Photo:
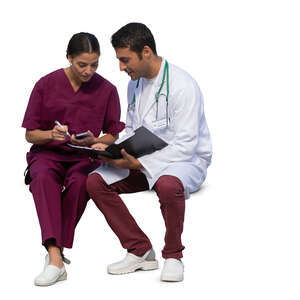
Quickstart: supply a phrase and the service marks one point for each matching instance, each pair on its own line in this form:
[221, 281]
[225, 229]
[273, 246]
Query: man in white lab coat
[167, 101]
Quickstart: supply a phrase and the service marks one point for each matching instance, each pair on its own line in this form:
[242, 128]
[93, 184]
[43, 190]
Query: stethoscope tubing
[157, 94]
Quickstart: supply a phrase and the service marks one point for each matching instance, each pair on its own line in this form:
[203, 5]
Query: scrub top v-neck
[70, 84]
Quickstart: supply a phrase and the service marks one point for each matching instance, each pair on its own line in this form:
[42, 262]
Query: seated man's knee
[169, 186]
[94, 184]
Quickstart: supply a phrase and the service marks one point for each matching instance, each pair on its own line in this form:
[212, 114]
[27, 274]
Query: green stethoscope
[157, 94]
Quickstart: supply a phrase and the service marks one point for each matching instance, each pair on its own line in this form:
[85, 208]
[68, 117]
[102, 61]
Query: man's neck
[154, 67]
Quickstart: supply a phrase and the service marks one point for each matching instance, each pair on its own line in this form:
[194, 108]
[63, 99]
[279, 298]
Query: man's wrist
[139, 165]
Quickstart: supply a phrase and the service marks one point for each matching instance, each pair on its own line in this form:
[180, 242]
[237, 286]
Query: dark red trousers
[60, 196]
[170, 192]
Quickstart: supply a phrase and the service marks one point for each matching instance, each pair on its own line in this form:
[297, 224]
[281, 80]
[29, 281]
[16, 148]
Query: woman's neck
[74, 80]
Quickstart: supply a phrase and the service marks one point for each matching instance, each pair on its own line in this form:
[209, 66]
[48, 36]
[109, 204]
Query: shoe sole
[144, 266]
[171, 279]
[60, 278]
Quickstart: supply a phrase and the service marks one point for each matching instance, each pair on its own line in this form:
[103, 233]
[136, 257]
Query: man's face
[84, 65]
[131, 63]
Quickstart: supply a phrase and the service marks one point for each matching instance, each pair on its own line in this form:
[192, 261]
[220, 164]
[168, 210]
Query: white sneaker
[172, 270]
[131, 263]
[50, 275]
[47, 261]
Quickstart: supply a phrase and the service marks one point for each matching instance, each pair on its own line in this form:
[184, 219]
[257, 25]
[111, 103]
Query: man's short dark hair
[135, 36]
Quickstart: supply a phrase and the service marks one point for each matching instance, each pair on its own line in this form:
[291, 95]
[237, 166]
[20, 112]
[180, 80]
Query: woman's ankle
[55, 256]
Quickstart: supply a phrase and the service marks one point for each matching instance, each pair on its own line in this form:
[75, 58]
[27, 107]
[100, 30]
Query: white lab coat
[188, 153]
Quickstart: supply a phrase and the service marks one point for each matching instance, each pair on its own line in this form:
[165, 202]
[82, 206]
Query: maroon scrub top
[95, 107]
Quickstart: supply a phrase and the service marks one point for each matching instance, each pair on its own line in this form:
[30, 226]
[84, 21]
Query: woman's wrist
[50, 135]
[95, 140]
[45, 137]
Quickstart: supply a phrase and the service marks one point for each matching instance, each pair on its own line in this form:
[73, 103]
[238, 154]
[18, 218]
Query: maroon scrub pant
[170, 192]
[60, 196]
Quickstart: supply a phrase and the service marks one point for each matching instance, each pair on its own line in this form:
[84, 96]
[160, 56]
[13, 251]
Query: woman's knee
[44, 176]
[76, 180]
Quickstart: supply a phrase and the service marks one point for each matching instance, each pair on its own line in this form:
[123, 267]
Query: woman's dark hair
[83, 42]
[135, 36]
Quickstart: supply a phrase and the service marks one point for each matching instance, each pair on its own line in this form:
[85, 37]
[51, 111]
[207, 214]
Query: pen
[58, 124]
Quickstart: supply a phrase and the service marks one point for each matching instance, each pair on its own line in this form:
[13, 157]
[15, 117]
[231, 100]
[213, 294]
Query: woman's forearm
[107, 139]
[38, 136]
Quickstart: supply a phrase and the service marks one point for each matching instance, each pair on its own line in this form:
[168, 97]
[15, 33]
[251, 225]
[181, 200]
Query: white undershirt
[148, 89]
[146, 93]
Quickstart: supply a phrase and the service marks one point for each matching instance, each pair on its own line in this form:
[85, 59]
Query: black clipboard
[143, 142]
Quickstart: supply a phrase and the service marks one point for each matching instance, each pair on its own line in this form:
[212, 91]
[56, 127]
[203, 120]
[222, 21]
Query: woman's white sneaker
[50, 275]
[131, 263]
[172, 270]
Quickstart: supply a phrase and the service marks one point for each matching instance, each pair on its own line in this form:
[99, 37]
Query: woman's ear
[70, 59]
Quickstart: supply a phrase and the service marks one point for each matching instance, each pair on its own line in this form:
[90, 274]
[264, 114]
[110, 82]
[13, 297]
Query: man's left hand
[127, 162]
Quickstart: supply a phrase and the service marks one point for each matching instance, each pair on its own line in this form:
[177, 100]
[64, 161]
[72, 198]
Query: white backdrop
[242, 228]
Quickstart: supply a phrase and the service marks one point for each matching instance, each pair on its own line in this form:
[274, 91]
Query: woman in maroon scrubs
[81, 100]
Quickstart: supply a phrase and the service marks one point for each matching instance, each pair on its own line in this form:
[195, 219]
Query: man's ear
[147, 52]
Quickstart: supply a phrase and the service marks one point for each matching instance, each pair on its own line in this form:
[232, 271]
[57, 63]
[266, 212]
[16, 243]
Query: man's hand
[87, 141]
[127, 162]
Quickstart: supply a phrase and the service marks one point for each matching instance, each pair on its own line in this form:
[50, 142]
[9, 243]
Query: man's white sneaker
[50, 275]
[131, 263]
[172, 270]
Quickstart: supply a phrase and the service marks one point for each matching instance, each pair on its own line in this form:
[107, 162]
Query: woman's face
[84, 65]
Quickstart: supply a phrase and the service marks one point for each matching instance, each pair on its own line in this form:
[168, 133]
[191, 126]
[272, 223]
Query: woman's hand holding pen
[59, 133]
